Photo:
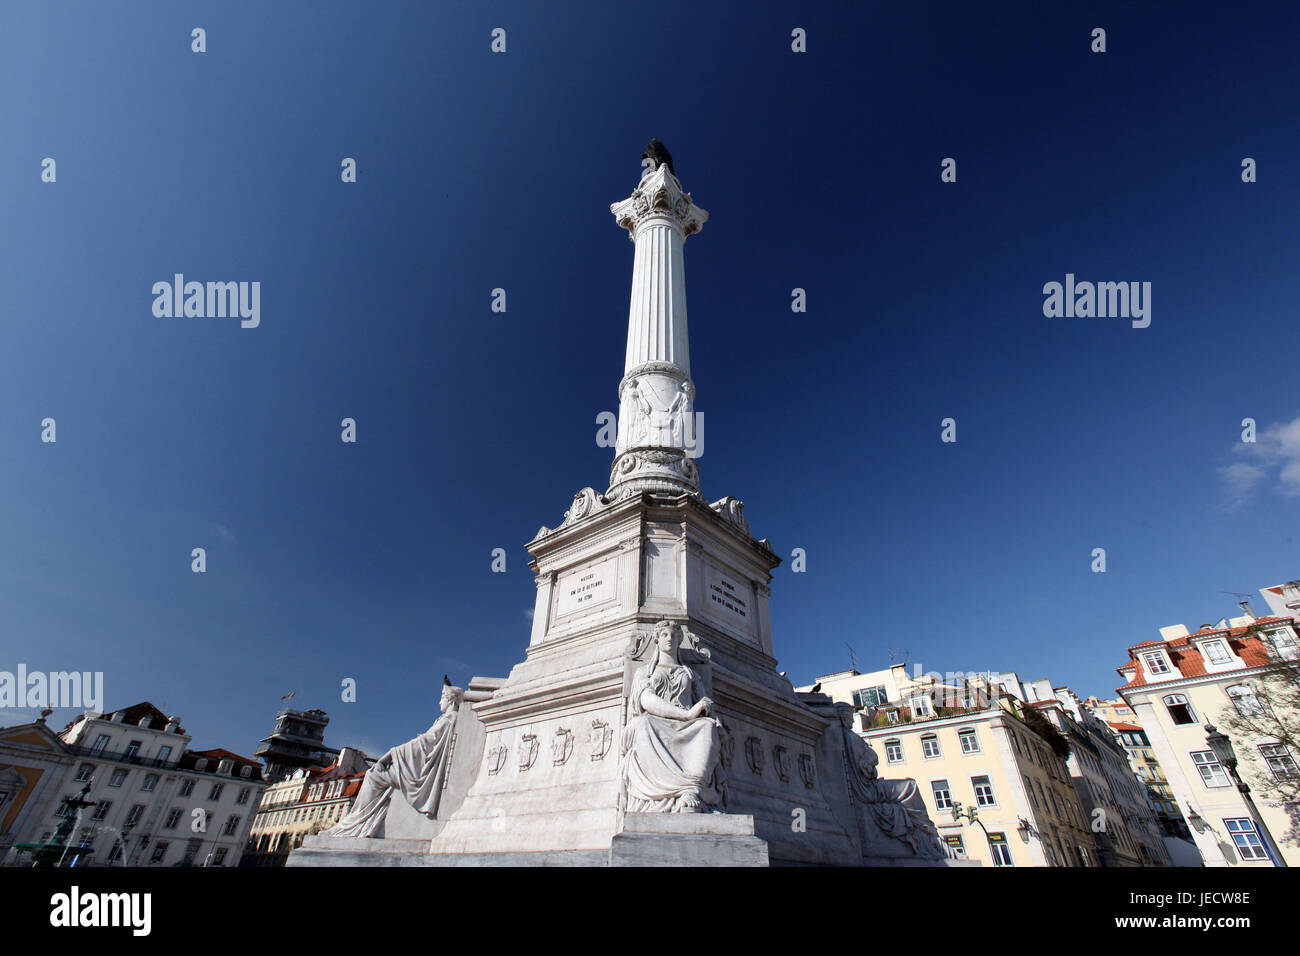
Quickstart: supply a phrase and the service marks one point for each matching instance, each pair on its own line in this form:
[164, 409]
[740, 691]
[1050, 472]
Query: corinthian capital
[659, 196]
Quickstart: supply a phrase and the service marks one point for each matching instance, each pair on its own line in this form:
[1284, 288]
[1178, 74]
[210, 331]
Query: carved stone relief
[562, 746]
[527, 751]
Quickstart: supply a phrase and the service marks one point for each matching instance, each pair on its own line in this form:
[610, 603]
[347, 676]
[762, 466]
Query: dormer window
[1155, 663]
[201, 764]
[921, 706]
[1216, 652]
[1284, 643]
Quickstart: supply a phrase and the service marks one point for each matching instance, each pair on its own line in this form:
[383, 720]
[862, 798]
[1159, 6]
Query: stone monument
[647, 723]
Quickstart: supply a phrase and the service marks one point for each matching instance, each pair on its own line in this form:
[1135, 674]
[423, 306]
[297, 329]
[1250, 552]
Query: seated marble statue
[414, 771]
[671, 747]
[896, 806]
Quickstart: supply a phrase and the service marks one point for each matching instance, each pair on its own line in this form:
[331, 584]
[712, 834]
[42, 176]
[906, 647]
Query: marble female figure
[671, 747]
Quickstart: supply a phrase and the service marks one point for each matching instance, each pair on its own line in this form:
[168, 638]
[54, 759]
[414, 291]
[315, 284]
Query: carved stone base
[687, 839]
[321, 850]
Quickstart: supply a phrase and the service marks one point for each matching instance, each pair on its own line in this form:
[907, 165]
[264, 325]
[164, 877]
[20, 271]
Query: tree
[1267, 707]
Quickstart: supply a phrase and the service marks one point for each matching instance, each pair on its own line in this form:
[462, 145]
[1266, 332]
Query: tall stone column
[657, 439]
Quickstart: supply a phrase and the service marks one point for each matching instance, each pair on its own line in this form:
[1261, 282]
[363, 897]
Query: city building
[1123, 824]
[1283, 600]
[1187, 680]
[297, 743]
[992, 770]
[149, 800]
[307, 801]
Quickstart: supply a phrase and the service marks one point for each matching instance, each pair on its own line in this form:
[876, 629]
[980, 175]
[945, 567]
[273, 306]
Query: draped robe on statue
[415, 770]
[671, 765]
[896, 805]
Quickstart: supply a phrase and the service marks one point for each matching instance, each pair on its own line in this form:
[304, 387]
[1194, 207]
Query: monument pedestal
[687, 839]
[322, 850]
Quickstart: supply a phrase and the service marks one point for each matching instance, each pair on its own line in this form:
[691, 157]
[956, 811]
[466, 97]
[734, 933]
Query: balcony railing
[123, 756]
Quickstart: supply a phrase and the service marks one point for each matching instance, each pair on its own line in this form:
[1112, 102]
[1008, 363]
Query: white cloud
[1273, 457]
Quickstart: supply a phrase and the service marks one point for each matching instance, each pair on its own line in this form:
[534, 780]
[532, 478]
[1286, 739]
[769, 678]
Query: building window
[930, 746]
[1281, 763]
[215, 792]
[1001, 852]
[118, 776]
[970, 743]
[921, 706]
[246, 771]
[100, 743]
[1155, 662]
[942, 795]
[187, 788]
[173, 818]
[219, 858]
[132, 749]
[894, 751]
[1029, 789]
[1210, 769]
[1180, 711]
[1243, 698]
[115, 854]
[1284, 644]
[956, 846]
[1015, 742]
[893, 716]
[231, 826]
[1249, 846]
[163, 756]
[244, 794]
[101, 809]
[62, 811]
[150, 781]
[983, 791]
[133, 815]
[1216, 652]
[159, 851]
[85, 772]
[870, 697]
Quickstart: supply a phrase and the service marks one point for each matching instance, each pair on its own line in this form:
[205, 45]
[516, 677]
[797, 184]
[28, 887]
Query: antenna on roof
[894, 652]
[853, 658]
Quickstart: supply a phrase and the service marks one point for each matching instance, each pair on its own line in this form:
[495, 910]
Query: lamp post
[1227, 755]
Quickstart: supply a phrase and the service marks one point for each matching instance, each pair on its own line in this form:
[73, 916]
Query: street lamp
[1026, 830]
[1227, 756]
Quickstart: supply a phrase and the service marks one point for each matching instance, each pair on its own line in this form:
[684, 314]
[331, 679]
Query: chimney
[1246, 609]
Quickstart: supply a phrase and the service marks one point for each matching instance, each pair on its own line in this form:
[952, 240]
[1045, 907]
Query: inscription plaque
[586, 587]
[727, 598]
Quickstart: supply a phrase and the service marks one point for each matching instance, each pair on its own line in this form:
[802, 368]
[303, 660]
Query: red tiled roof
[1187, 659]
[1124, 726]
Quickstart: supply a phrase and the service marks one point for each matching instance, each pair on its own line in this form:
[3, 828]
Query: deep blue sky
[476, 170]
